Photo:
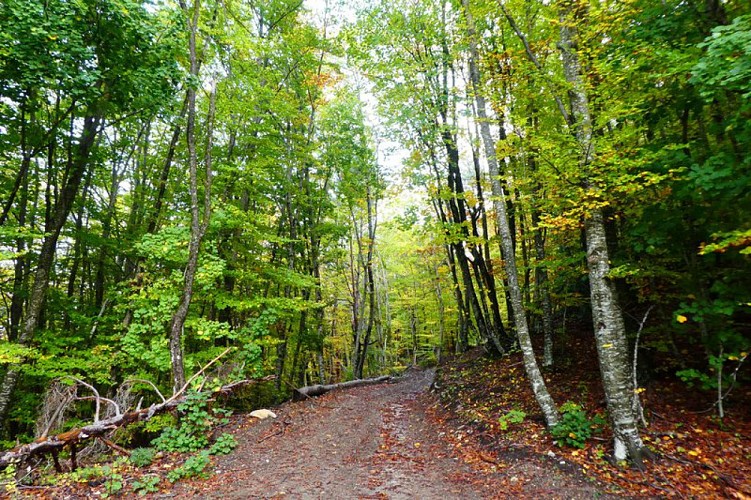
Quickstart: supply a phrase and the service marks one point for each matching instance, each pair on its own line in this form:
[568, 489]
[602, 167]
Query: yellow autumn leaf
[681, 318]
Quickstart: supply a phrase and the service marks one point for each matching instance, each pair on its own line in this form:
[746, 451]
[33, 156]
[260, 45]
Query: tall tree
[83, 77]
[198, 224]
[547, 405]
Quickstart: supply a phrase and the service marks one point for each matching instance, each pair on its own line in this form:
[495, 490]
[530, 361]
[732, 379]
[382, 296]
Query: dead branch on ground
[100, 428]
[317, 390]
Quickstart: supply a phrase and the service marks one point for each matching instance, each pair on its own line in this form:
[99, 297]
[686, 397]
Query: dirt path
[371, 442]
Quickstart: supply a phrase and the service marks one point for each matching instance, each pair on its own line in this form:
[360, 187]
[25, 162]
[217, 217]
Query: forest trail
[375, 442]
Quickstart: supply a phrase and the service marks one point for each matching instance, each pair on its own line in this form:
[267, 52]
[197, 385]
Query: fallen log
[316, 390]
[72, 438]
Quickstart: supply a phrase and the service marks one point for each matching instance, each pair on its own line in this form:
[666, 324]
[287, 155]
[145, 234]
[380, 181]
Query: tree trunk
[544, 400]
[197, 226]
[458, 211]
[76, 172]
[167, 166]
[19, 269]
[541, 282]
[462, 341]
[483, 265]
[317, 390]
[610, 334]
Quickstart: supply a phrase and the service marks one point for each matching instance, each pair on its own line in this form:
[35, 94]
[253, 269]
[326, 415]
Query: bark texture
[317, 390]
[547, 405]
[610, 331]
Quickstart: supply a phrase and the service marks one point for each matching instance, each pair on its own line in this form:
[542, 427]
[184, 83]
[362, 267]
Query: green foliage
[511, 417]
[574, 427]
[726, 64]
[194, 466]
[715, 364]
[146, 484]
[141, 457]
[159, 422]
[196, 421]
[223, 445]
[295, 167]
[114, 483]
[8, 480]
[730, 240]
[110, 473]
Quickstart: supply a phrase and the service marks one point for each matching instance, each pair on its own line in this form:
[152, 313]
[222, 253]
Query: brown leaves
[697, 455]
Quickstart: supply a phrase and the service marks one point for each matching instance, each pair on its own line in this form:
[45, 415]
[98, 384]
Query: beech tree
[610, 331]
[507, 241]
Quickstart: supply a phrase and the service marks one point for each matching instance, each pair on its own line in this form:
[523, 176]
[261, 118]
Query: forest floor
[386, 441]
[382, 442]
[696, 455]
[401, 440]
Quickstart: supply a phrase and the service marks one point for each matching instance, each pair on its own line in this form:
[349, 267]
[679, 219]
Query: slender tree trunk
[197, 226]
[78, 249]
[19, 269]
[483, 266]
[541, 282]
[106, 233]
[458, 211]
[76, 172]
[357, 297]
[544, 400]
[463, 316]
[369, 285]
[462, 341]
[441, 313]
[610, 332]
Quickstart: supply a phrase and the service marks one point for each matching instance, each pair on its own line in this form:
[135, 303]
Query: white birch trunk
[544, 400]
[609, 328]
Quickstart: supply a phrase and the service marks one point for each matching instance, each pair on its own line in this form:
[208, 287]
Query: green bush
[574, 428]
[141, 457]
[195, 423]
[512, 417]
[147, 484]
[223, 445]
[194, 466]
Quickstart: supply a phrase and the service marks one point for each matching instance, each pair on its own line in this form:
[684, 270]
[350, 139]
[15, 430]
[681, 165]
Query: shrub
[512, 417]
[147, 484]
[141, 457]
[223, 445]
[193, 467]
[195, 423]
[574, 428]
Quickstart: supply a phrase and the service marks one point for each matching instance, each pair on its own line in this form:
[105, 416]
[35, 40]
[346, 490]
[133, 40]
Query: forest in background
[180, 178]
